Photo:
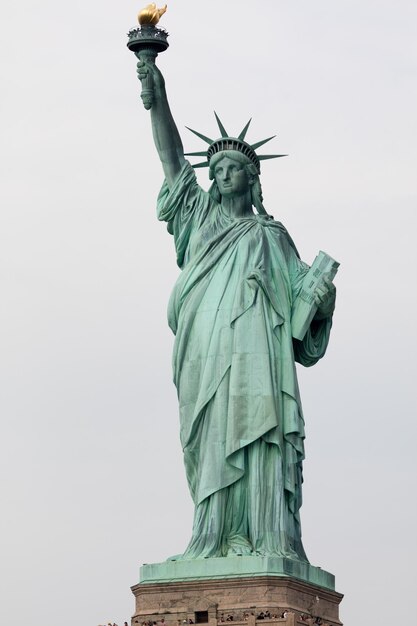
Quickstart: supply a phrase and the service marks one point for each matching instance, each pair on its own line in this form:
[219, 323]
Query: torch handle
[147, 95]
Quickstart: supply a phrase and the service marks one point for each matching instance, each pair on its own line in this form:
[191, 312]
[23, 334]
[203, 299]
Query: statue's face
[231, 177]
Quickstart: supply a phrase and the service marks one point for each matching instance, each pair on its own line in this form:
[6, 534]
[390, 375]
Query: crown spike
[231, 143]
[244, 131]
[262, 157]
[258, 144]
[203, 137]
[220, 125]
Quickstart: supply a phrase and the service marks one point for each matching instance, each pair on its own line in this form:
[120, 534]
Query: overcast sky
[92, 477]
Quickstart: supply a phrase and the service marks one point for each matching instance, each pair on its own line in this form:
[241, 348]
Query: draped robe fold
[241, 422]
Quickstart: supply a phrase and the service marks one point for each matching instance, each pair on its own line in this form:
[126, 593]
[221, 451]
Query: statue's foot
[239, 545]
[286, 554]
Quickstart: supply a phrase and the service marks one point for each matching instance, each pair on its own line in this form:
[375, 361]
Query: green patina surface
[234, 567]
[242, 427]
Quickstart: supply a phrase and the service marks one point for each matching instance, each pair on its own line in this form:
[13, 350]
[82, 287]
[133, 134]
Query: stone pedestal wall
[236, 602]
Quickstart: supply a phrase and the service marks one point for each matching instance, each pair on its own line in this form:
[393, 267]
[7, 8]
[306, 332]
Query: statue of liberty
[242, 426]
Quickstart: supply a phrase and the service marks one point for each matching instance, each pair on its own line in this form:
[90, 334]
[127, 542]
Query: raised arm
[165, 133]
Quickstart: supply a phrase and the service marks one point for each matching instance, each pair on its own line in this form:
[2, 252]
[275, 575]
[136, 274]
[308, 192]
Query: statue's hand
[325, 297]
[147, 69]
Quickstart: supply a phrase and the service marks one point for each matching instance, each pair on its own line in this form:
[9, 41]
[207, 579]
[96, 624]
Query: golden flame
[150, 14]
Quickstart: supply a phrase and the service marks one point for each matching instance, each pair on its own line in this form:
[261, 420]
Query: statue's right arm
[165, 133]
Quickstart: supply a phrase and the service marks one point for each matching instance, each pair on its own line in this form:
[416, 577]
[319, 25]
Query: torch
[146, 42]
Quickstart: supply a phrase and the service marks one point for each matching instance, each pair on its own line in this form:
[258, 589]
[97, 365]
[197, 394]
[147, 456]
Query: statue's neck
[240, 206]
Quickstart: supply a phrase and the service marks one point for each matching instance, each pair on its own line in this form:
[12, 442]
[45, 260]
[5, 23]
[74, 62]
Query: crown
[226, 142]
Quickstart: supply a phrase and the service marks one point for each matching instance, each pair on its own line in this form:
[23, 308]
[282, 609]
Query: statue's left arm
[314, 344]
[325, 298]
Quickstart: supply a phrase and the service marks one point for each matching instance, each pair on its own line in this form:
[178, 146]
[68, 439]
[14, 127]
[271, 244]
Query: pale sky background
[92, 477]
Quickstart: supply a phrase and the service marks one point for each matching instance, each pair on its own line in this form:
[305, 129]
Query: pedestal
[256, 591]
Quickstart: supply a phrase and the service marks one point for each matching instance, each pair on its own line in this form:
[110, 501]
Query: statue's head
[234, 174]
[243, 164]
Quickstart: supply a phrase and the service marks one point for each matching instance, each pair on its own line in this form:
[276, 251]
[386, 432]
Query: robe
[241, 421]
